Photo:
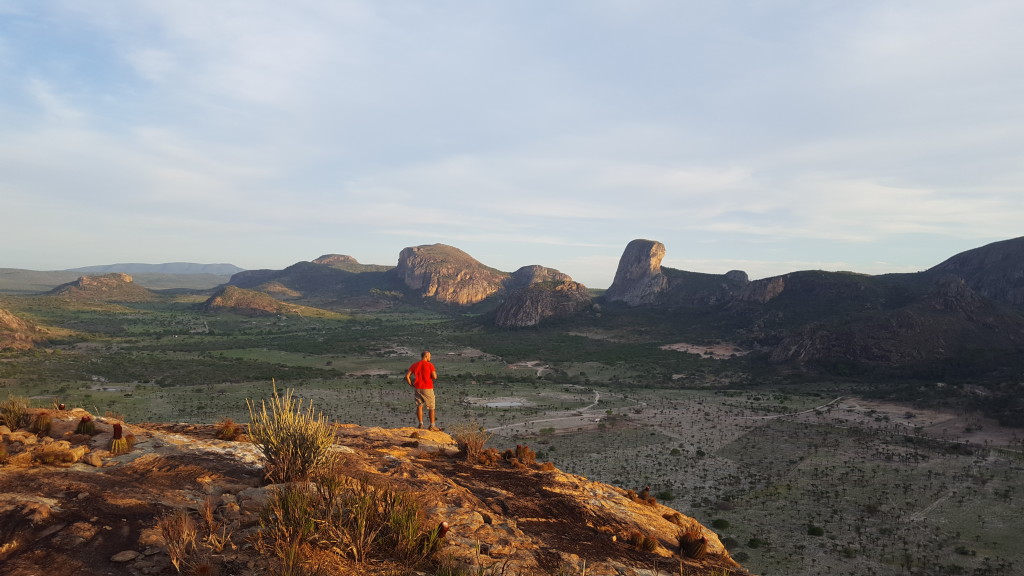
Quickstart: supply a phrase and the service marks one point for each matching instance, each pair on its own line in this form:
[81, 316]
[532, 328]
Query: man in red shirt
[421, 376]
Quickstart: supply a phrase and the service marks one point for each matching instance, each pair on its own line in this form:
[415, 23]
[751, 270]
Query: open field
[800, 481]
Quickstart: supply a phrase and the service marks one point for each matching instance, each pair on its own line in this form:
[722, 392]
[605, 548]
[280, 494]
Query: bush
[813, 530]
[14, 412]
[471, 438]
[347, 517]
[228, 429]
[295, 442]
[720, 524]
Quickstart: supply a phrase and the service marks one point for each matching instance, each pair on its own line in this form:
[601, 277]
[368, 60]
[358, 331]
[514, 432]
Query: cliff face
[638, 279]
[71, 507]
[536, 293]
[447, 274]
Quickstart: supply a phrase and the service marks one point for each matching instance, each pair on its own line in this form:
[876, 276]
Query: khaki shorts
[425, 397]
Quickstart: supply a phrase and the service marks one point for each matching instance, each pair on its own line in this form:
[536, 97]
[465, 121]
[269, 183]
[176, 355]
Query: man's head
[425, 355]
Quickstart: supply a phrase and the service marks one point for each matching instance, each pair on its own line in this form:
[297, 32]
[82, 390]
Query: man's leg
[431, 410]
[419, 414]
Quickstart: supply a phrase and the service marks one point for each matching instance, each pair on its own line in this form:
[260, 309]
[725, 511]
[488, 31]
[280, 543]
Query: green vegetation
[295, 442]
[767, 455]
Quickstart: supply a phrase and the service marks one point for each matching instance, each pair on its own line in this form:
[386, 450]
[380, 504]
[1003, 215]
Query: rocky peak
[995, 270]
[447, 274]
[638, 279]
[533, 274]
[335, 259]
[536, 293]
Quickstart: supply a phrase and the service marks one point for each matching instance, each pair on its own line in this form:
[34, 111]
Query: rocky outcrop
[116, 287]
[254, 303]
[335, 259]
[995, 270]
[763, 290]
[72, 507]
[448, 275]
[17, 334]
[534, 274]
[638, 279]
[537, 293]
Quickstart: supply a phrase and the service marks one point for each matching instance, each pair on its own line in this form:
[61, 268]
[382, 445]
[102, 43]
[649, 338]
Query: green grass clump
[296, 442]
[346, 518]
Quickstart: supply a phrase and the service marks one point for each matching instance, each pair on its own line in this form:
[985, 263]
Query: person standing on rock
[421, 376]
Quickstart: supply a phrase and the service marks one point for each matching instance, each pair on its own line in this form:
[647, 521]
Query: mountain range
[960, 320]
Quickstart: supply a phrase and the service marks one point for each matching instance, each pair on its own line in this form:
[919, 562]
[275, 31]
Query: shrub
[228, 429]
[353, 518]
[295, 442]
[51, 455]
[720, 524]
[14, 412]
[813, 530]
[470, 438]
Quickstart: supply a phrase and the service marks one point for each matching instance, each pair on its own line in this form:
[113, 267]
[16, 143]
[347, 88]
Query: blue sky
[765, 136]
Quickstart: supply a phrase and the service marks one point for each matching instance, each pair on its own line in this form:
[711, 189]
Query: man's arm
[408, 381]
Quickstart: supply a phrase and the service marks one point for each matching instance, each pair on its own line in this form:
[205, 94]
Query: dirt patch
[716, 351]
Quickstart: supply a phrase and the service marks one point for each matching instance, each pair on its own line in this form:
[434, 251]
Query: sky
[767, 136]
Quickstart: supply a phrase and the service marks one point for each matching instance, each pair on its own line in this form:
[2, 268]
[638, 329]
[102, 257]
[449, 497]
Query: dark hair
[424, 354]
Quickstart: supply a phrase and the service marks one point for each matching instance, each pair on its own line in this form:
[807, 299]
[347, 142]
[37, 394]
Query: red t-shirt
[423, 372]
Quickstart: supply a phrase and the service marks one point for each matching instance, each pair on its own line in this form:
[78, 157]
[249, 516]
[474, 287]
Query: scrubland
[806, 480]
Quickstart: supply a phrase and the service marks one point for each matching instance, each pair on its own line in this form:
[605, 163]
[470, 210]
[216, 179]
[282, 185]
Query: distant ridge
[167, 268]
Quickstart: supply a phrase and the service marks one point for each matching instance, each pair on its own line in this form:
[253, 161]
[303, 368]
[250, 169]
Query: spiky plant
[692, 543]
[86, 426]
[42, 423]
[296, 441]
[228, 429]
[118, 443]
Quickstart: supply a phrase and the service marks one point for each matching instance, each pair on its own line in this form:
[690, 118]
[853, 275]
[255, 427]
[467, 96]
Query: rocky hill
[115, 287]
[448, 275]
[536, 293]
[995, 270]
[77, 503]
[331, 281]
[17, 334]
[253, 303]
